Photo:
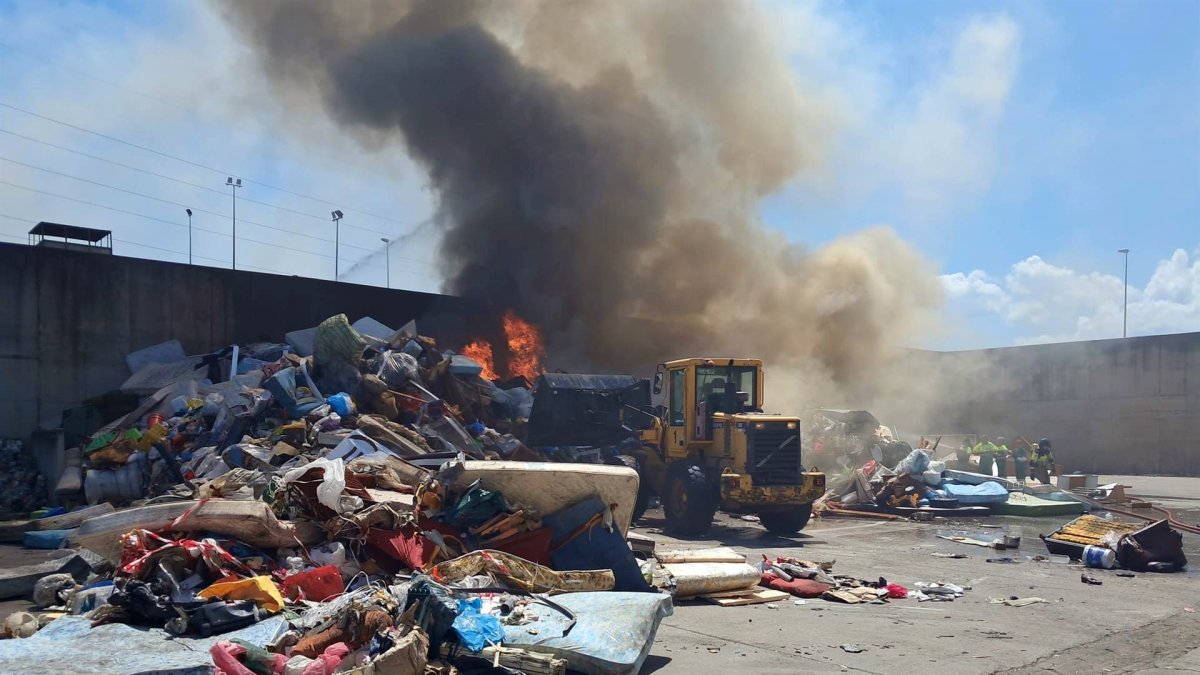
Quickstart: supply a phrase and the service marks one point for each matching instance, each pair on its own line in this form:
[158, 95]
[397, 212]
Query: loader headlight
[760, 425]
[791, 425]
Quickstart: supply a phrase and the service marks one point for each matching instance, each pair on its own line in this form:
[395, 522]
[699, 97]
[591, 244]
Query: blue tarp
[612, 636]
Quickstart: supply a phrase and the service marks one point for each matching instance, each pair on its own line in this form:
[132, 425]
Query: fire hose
[1170, 517]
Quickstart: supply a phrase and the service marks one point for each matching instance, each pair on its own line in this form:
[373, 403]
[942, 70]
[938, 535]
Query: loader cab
[693, 389]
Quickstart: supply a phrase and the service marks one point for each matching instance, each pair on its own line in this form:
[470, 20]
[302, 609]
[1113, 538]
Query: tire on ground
[689, 499]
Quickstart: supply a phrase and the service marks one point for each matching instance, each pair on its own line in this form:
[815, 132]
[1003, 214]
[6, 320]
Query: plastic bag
[342, 404]
[1111, 539]
[335, 554]
[395, 368]
[915, 464]
[476, 631]
[332, 485]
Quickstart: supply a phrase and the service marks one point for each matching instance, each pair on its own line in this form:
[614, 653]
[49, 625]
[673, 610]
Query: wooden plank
[747, 597]
[736, 593]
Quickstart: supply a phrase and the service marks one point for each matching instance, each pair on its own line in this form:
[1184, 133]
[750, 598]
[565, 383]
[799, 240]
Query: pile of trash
[724, 577]
[918, 486]
[299, 509]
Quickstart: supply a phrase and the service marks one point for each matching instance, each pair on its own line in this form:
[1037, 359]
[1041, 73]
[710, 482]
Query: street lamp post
[387, 256]
[1125, 319]
[234, 184]
[189, 212]
[337, 236]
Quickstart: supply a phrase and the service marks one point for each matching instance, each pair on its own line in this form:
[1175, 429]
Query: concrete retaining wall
[1127, 406]
[68, 319]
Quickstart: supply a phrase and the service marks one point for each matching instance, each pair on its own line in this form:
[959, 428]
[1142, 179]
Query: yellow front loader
[712, 446]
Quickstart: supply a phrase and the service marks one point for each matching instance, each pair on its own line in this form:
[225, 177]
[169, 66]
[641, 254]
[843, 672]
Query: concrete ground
[1137, 625]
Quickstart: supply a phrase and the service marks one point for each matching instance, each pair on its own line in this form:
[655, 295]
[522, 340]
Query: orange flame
[480, 351]
[525, 347]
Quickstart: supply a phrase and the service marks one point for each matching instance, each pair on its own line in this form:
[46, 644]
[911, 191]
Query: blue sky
[1017, 145]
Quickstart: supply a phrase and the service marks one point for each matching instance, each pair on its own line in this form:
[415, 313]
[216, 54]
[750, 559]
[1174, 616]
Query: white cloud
[1042, 302]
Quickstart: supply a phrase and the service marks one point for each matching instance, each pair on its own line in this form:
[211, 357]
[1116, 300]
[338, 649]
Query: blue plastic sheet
[46, 539]
[476, 631]
[985, 493]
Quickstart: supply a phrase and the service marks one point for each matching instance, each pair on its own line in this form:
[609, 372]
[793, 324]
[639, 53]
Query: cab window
[677, 393]
[711, 380]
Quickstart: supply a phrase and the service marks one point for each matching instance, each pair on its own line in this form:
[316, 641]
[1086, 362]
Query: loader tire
[643, 494]
[786, 523]
[689, 499]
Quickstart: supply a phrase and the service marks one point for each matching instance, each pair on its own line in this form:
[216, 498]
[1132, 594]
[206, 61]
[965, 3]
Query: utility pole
[337, 238]
[189, 212]
[387, 253]
[1125, 320]
[233, 186]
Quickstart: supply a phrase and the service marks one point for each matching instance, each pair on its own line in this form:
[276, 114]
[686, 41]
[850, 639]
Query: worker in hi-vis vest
[986, 451]
[1041, 461]
[1001, 457]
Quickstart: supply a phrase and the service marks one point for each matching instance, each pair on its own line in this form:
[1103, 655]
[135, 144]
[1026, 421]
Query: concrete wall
[68, 319]
[1110, 406]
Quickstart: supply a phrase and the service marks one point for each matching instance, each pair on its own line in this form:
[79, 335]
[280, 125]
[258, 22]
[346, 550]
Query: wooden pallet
[745, 596]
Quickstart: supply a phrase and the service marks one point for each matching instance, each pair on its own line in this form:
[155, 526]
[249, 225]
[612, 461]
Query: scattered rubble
[351, 500]
[362, 500]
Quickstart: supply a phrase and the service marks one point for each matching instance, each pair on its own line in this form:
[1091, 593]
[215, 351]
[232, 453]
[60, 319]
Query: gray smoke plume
[598, 167]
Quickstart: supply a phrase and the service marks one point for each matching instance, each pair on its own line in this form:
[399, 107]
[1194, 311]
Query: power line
[198, 186]
[120, 241]
[173, 203]
[171, 250]
[197, 164]
[41, 58]
[162, 220]
[370, 251]
[110, 208]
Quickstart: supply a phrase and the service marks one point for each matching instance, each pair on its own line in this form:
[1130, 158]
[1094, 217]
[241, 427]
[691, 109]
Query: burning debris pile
[525, 350]
[318, 503]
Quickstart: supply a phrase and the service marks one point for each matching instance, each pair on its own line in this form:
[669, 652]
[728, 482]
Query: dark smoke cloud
[598, 166]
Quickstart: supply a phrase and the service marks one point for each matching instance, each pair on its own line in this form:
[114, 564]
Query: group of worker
[1036, 458]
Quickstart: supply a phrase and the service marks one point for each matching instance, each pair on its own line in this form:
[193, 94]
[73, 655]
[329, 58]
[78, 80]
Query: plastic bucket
[1100, 557]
